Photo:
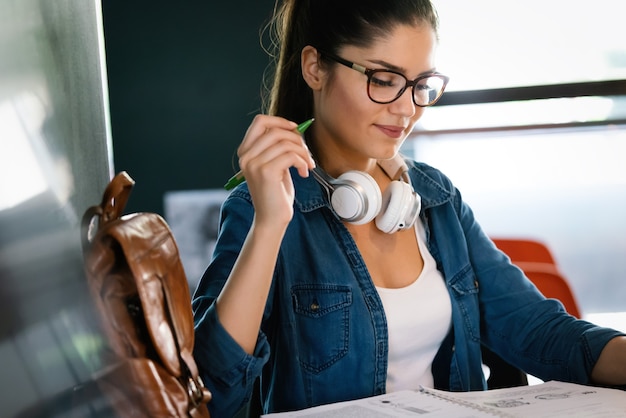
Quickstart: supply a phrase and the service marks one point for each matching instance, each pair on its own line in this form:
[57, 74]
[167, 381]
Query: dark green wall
[184, 83]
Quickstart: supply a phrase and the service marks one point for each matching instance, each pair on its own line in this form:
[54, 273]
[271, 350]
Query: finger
[276, 141]
[262, 124]
[281, 157]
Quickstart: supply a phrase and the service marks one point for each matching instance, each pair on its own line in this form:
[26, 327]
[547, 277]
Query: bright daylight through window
[532, 130]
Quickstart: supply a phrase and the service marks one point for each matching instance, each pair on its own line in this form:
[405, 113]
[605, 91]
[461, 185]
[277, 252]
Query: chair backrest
[552, 284]
[527, 250]
[537, 262]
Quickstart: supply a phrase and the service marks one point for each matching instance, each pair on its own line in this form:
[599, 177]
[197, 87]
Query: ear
[311, 71]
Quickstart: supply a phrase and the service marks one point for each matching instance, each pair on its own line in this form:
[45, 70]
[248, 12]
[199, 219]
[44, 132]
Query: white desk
[616, 320]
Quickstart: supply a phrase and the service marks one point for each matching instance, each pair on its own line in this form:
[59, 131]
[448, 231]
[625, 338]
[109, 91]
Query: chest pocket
[322, 324]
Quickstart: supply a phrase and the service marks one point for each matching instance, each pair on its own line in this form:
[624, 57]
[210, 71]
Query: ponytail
[289, 96]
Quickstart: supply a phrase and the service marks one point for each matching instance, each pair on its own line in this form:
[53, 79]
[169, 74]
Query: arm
[230, 300]
[271, 146]
[534, 333]
[241, 303]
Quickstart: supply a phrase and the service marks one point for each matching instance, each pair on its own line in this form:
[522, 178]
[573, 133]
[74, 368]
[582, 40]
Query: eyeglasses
[386, 86]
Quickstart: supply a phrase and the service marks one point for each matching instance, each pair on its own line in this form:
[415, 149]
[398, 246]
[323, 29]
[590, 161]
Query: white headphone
[356, 198]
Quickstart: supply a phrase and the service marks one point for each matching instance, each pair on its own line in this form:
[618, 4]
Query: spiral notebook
[550, 399]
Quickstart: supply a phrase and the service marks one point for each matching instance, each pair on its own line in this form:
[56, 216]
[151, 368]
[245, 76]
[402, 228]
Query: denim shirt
[324, 334]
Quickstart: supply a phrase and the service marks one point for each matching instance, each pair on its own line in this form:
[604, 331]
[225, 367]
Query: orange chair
[552, 284]
[538, 264]
[526, 250]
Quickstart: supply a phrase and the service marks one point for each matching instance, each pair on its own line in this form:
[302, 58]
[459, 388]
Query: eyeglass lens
[386, 86]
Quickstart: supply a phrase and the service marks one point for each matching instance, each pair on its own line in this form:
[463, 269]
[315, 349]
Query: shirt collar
[428, 182]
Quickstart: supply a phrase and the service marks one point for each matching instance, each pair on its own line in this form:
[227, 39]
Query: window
[532, 129]
[541, 62]
[489, 44]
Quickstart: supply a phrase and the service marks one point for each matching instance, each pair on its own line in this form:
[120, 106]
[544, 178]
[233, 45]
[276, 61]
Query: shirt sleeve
[522, 326]
[226, 369]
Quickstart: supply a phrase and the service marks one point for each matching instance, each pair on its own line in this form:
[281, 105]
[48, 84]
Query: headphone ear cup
[356, 197]
[400, 207]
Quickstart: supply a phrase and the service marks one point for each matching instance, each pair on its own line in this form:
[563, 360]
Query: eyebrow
[399, 69]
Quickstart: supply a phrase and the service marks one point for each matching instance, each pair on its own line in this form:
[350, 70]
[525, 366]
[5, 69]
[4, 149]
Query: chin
[388, 153]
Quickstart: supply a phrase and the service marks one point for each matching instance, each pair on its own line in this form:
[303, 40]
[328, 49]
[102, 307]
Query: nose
[404, 104]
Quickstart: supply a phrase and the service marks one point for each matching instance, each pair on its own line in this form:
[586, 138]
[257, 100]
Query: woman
[332, 296]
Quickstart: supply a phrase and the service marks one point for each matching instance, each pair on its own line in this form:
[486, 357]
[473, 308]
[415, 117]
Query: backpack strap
[112, 207]
[115, 197]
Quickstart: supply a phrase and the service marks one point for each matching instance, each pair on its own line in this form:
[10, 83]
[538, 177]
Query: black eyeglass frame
[369, 72]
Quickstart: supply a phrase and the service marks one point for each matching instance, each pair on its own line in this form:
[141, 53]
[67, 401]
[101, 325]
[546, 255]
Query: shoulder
[431, 172]
[238, 203]
[431, 184]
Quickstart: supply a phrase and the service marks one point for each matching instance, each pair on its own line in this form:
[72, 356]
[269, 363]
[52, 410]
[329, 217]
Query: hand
[270, 147]
[610, 369]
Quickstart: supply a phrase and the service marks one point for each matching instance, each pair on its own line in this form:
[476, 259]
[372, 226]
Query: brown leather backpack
[142, 296]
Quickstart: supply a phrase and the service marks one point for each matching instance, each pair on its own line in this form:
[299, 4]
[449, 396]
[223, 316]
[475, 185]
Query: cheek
[347, 112]
[351, 104]
[348, 97]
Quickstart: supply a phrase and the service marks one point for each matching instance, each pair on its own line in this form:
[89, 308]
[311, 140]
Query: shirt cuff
[221, 357]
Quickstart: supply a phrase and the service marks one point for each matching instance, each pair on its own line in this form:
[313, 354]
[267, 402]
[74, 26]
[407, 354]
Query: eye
[424, 85]
[430, 83]
[386, 79]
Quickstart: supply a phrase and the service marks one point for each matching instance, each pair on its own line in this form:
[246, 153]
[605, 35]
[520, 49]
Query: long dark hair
[327, 25]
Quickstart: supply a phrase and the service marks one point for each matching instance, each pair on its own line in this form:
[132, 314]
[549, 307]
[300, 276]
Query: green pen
[239, 178]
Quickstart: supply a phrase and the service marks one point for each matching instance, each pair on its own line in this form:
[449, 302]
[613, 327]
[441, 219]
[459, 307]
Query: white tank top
[418, 319]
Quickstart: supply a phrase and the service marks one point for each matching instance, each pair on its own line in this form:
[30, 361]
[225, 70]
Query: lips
[391, 130]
